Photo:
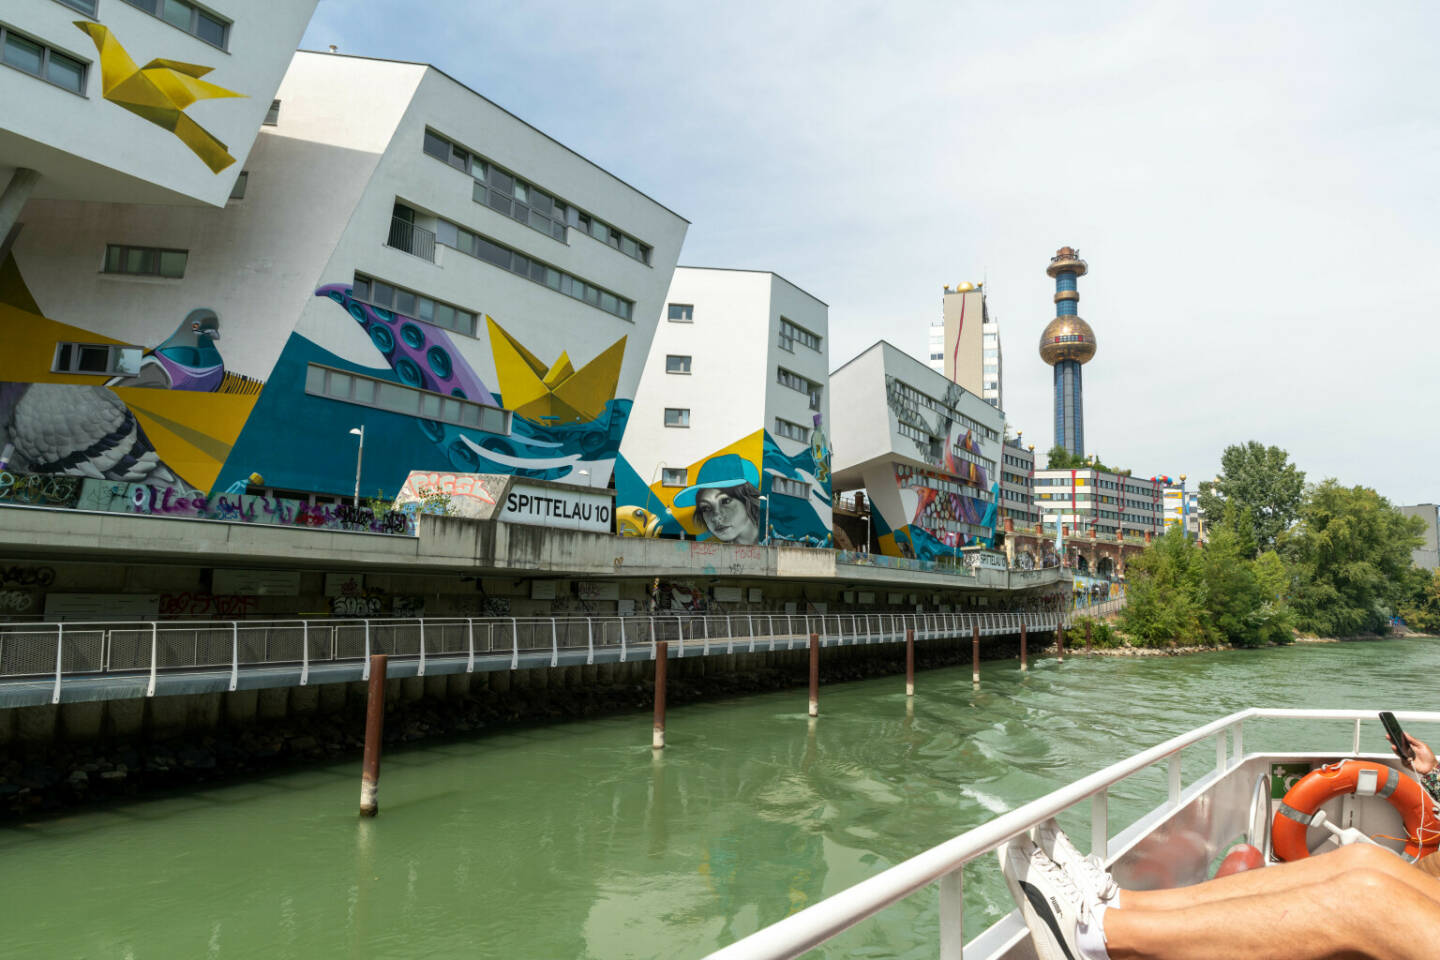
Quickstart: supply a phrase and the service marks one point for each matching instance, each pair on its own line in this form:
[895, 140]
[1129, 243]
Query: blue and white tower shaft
[1066, 344]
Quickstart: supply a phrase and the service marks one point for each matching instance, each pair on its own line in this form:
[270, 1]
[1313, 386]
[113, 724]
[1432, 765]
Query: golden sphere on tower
[1067, 338]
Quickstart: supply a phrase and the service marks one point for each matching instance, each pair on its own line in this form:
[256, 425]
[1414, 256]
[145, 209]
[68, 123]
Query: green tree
[1350, 558]
[1422, 611]
[1259, 480]
[1058, 458]
[1160, 609]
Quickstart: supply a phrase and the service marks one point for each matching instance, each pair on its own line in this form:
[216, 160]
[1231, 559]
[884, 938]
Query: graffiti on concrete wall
[27, 576]
[188, 604]
[16, 601]
[38, 490]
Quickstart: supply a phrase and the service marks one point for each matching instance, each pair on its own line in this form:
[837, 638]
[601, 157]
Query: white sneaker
[1088, 873]
[1048, 899]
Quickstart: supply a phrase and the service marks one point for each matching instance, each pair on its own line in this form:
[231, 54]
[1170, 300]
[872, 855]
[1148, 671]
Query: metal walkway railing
[61, 650]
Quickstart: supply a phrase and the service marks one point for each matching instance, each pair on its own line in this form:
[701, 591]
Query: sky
[1254, 187]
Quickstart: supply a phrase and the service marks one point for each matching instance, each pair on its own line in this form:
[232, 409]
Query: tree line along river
[576, 840]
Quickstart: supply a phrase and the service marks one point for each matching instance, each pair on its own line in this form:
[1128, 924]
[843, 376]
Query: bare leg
[1362, 914]
[1286, 876]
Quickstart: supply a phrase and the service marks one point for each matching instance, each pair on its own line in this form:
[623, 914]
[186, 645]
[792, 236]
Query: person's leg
[1285, 876]
[1363, 913]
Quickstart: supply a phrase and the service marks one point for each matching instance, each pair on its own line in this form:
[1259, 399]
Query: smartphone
[1397, 736]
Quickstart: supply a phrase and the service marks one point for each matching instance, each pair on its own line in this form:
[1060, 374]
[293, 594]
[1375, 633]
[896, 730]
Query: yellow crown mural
[556, 393]
[160, 91]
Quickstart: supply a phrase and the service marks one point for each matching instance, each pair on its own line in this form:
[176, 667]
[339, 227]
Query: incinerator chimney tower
[1066, 343]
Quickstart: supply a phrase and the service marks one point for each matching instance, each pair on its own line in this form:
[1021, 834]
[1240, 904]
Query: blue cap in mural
[730, 470]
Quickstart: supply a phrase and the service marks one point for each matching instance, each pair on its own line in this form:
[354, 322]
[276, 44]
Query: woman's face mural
[728, 514]
[726, 498]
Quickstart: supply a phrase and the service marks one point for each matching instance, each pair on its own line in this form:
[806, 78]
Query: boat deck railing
[942, 864]
[73, 649]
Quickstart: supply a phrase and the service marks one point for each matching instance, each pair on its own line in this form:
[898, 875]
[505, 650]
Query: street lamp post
[359, 459]
[867, 527]
[767, 518]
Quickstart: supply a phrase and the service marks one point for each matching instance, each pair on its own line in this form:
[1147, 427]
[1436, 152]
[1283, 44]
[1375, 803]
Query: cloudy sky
[1254, 186]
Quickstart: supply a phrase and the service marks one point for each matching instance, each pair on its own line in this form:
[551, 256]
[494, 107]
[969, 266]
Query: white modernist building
[1017, 483]
[1107, 503]
[141, 101]
[728, 436]
[925, 451]
[403, 268]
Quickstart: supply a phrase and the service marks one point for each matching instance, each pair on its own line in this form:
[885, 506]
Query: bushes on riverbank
[1325, 560]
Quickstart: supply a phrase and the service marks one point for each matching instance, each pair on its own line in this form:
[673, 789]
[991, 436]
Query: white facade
[935, 353]
[738, 368]
[453, 360]
[925, 451]
[970, 347]
[1017, 483]
[1106, 502]
[87, 145]
[1427, 555]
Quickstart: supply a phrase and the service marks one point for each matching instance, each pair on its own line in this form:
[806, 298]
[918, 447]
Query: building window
[791, 431]
[145, 261]
[35, 58]
[790, 488]
[272, 116]
[806, 386]
[681, 313]
[186, 16]
[675, 363]
[87, 7]
[672, 477]
[507, 193]
[97, 358]
[677, 417]
[497, 254]
[411, 304]
[789, 333]
[237, 192]
[398, 398]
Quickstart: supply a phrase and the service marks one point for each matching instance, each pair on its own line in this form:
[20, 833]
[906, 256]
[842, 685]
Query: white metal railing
[942, 864]
[70, 649]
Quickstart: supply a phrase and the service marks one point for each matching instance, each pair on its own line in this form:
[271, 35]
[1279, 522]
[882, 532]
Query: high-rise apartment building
[935, 354]
[969, 342]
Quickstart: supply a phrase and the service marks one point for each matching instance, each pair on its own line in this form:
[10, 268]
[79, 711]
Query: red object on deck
[1242, 858]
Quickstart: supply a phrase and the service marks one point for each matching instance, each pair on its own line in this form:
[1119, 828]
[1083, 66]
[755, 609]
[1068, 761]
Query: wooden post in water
[910, 663]
[1060, 642]
[374, 729]
[814, 675]
[1088, 648]
[657, 739]
[975, 653]
[1023, 665]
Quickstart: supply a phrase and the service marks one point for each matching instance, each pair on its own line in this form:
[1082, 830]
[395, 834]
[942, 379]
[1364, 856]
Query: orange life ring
[1287, 832]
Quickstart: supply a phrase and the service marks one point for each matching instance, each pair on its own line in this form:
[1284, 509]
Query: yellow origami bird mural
[558, 393]
[160, 91]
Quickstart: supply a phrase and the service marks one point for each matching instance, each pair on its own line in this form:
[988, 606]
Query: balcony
[416, 241]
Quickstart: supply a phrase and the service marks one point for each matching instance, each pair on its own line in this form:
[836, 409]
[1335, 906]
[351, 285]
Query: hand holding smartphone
[1397, 737]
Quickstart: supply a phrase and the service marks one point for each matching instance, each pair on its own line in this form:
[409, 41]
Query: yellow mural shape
[30, 339]
[160, 91]
[557, 393]
[192, 432]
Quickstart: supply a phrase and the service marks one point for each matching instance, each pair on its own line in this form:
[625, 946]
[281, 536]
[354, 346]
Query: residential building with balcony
[728, 438]
[926, 451]
[401, 266]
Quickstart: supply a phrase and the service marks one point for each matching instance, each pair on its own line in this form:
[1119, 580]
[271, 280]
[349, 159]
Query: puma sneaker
[1088, 873]
[1048, 899]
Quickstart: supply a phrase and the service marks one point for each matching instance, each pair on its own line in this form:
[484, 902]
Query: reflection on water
[580, 841]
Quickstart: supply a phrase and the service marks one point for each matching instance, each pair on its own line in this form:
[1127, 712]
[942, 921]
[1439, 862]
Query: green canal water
[574, 841]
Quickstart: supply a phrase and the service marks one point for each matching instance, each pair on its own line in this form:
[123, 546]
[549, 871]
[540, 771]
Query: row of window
[788, 378]
[1018, 461]
[483, 248]
[791, 431]
[37, 59]
[917, 398]
[790, 488]
[412, 304]
[398, 398]
[199, 23]
[790, 333]
[520, 200]
[145, 261]
[87, 7]
[102, 359]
